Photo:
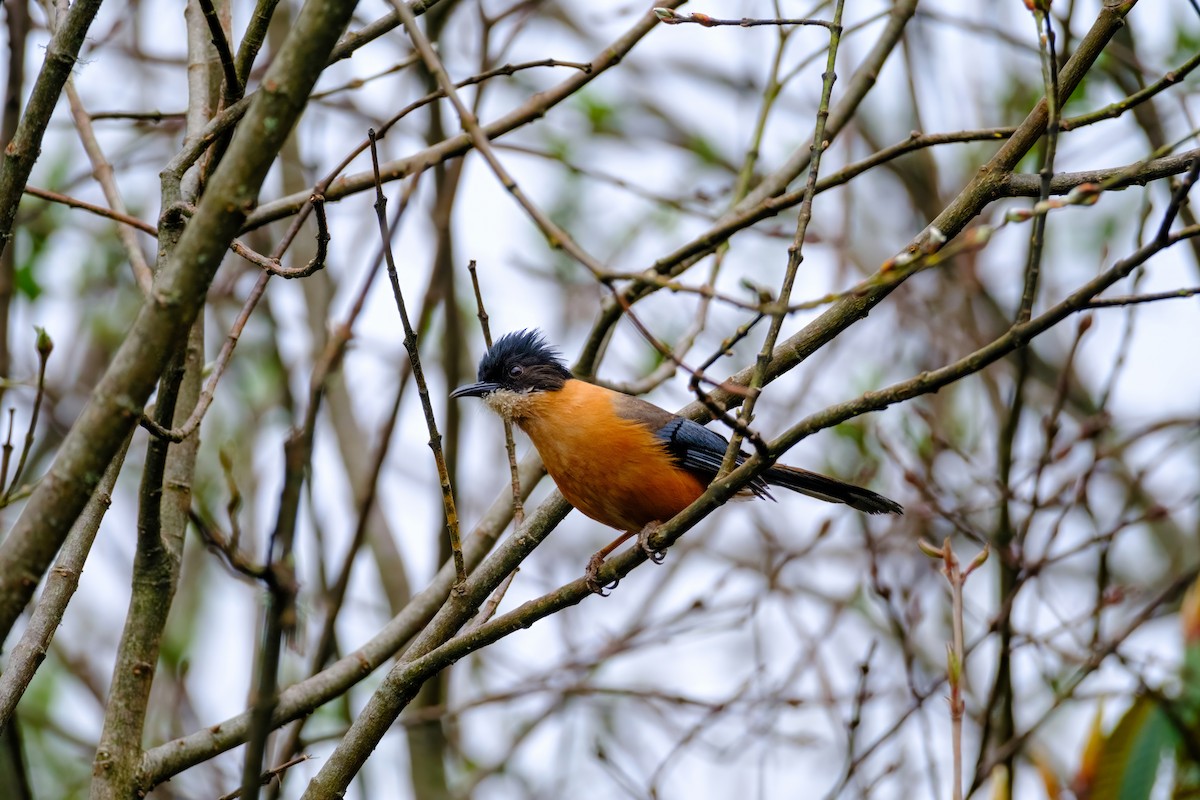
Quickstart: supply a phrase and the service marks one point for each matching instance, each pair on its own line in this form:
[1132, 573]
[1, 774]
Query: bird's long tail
[831, 490]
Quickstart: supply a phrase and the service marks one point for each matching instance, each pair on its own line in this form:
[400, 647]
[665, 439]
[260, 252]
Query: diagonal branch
[301, 699]
[21, 153]
[953, 219]
[161, 325]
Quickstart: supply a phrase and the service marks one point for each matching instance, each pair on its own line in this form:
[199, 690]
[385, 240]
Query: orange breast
[614, 470]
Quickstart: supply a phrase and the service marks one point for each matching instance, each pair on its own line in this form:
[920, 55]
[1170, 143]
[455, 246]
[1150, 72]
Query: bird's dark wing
[693, 446]
[701, 450]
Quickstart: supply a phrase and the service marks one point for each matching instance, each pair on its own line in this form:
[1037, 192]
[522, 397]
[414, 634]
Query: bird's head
[518, 365]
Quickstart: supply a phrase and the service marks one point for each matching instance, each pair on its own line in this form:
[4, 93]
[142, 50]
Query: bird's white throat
[508, 404]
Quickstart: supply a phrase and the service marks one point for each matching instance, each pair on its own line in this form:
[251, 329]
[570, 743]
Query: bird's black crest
[522, 361]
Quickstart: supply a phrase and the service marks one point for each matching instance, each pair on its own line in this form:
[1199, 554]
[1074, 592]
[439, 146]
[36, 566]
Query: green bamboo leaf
[1131, 755]
[1189, 696]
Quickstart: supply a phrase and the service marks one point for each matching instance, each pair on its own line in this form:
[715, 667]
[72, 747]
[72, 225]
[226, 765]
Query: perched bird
[620, 460]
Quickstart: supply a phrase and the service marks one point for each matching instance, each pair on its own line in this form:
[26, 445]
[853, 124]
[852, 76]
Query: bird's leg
[596, 562]
[643, 542]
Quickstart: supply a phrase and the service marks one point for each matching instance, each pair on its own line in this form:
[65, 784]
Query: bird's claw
[592, 576]
[655, 555]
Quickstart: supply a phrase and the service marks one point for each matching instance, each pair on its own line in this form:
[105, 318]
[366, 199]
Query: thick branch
[162, 324]
[27, 655]
[1020, 184]
[301, 699]
[21, 153]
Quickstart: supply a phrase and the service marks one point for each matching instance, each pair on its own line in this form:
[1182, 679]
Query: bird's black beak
[475, 389]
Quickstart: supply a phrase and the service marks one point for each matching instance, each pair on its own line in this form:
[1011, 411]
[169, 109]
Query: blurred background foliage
[783, 648]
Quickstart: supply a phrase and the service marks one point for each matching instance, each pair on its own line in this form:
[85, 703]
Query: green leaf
[603, 116]
[27, 282]
[705, 150]
[1131, 755]
[854, 432]
[1189, 697]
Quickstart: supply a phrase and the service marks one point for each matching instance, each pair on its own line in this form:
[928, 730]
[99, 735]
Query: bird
[619, 459]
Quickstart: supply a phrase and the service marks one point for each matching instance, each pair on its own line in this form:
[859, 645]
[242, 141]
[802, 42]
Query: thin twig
[235, 502]
[1130, 300]
[224, 546]
[1049, 62]
[358, 83]
[1177, 198]
[734, 423]
[139, 116]
[956, 653]
[414, 356]
[44, 347]
[8, 448]
[232, 90]
[1114, 110]
[493, 602]
[235, 332]
[273, 265]
[66, 200]
[670, 17]
[509, 444]
[102, 170]
[270, 775]
[861, 693]
[795, 251]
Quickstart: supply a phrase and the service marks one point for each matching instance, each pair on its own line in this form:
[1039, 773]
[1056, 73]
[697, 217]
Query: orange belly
[614, 470]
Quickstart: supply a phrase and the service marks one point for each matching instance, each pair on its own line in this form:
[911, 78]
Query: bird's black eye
[515, 371]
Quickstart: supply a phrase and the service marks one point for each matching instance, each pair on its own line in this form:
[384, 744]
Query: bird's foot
[592, 576]
[655, 555]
